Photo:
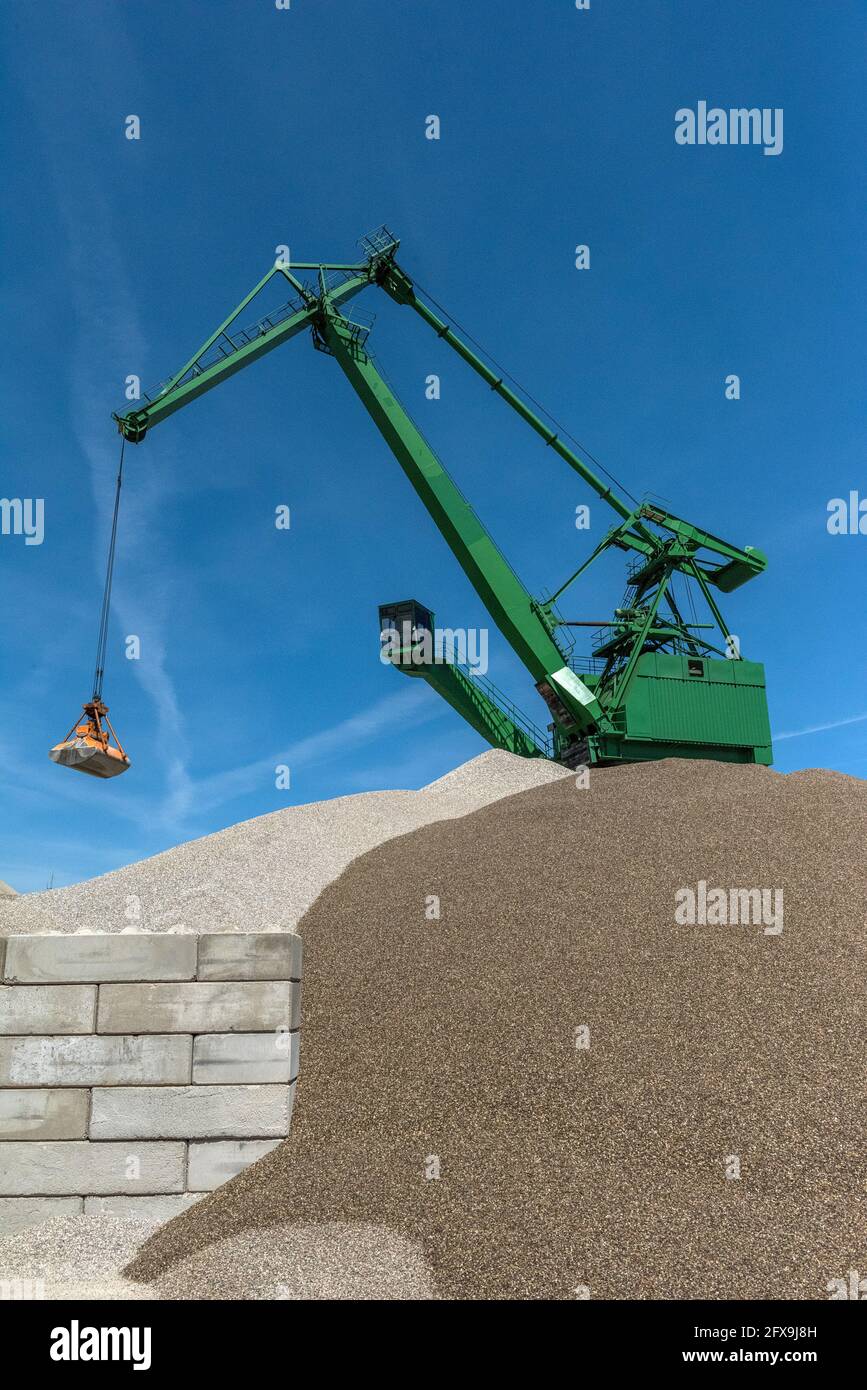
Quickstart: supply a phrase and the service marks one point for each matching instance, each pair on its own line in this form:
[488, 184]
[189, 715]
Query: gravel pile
[264, 874]
[446, 1092]
[81, 1257]
[295, 1262]
[73, 1257]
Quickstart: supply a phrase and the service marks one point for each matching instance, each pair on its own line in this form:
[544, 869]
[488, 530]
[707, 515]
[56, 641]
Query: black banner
[143, 1338]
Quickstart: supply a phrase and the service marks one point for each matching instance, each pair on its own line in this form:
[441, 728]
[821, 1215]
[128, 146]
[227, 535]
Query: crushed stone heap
[707, 1144]
[263, 874]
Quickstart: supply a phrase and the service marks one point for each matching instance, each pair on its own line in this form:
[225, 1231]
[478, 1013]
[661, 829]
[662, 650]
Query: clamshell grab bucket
[84, 755]
[88, 747]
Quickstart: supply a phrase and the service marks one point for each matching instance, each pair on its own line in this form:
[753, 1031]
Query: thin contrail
[821, 728]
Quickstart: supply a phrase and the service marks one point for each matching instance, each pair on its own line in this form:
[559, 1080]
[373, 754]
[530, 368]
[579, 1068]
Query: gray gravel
[295, 1262]
[81, 1258]
[263, 874]
[563, 1169]
[74, 1257]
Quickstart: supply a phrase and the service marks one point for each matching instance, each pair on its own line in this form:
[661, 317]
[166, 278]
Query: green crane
[655, 686]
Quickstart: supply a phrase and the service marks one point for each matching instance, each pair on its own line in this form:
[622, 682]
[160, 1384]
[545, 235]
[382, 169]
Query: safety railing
[379, 242]
[588, 665]
[230, 342]
[506, 706]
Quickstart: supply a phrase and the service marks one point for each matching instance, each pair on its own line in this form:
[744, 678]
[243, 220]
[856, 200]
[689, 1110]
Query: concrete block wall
[139, 1072]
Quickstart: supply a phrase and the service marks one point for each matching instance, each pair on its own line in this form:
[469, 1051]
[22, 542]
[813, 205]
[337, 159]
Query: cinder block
[250, 956]
[60, 959]
[95, 1061]
[47, 1009]
[59, 1169]
[43, 1114]
[142, 1208]
[241, 1058]
[18, 1212]
[210, 1165]
[190, 1112]
[254, 1007]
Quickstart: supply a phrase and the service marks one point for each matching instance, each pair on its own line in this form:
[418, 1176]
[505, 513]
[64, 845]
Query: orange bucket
[88, 747]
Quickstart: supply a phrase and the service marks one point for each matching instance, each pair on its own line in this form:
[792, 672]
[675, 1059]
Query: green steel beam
[743, 564]
[508, 602]
[134, 425]
[702, 579]
[641, 635]
[398, 284]
[471, 701]
[178, 376]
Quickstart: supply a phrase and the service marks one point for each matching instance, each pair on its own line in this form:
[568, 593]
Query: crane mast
[655, 686]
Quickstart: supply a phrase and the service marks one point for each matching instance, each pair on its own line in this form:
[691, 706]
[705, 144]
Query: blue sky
[306, 127]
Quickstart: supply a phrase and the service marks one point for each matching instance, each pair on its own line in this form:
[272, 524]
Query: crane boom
[229, 352]
[513, 609]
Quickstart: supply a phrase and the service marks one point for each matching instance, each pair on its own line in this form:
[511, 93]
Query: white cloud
[404, 708]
